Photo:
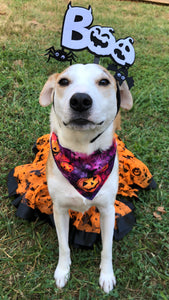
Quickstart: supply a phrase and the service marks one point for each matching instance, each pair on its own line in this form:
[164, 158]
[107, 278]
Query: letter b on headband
[75, 34]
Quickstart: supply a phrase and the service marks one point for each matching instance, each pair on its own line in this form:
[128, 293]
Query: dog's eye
[64, 82]
[104, 82]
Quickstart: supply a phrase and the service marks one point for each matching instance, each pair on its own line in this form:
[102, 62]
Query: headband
[79, 34]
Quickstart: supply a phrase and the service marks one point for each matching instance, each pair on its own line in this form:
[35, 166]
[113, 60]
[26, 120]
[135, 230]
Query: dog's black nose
[80, 102]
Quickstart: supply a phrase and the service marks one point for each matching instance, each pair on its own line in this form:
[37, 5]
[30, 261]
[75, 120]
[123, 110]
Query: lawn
[29, 251]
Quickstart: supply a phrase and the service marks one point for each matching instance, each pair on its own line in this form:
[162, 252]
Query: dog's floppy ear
[47, 91]
[126, 97]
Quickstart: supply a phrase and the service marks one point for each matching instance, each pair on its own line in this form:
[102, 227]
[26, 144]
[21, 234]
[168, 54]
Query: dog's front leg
[107, 219]
[62, 271]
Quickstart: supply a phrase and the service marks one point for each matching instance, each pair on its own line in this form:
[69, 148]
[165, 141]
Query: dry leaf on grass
[33, 22]
[18, 63]
[3, 9]
[5, 13]
[157, 216]
[161, 209]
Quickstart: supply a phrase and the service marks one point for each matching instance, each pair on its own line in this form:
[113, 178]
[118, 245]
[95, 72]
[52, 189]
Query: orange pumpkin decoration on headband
[89, 184]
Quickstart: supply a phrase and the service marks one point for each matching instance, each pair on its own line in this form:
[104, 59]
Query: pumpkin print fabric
[87, 173]
[29, 186]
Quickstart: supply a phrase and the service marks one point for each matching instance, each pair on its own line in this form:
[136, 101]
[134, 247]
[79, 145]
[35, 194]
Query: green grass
[30, 250]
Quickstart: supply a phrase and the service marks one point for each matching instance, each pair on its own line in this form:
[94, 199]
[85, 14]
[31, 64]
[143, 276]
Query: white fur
[83, 79]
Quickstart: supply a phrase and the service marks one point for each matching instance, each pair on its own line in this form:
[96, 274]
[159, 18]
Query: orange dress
[29, 186]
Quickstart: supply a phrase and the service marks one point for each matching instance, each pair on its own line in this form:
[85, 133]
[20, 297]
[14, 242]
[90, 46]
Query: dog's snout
[80, 102]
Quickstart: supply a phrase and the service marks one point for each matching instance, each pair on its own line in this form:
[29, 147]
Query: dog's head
[85, 97]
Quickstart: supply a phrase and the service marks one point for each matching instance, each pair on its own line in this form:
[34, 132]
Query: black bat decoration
[121, 75]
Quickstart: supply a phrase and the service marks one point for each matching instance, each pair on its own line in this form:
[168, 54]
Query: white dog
[83, 119]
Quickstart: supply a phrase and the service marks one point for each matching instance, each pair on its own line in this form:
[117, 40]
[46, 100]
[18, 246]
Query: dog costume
[27, 183]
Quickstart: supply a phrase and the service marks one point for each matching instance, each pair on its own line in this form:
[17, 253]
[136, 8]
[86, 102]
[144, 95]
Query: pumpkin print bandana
[87, 173]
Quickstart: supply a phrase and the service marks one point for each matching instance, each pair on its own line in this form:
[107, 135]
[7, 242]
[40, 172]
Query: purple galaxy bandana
[87, 173]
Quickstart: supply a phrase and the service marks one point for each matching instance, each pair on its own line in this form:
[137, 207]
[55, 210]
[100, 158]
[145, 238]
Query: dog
[84, 116]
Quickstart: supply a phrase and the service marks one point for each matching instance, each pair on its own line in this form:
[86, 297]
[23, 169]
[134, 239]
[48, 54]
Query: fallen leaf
[18, 63]
[3, 9]
[161, 209]
[157, 216]
[33, 22]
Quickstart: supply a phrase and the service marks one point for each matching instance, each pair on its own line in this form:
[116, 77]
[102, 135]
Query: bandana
[87, 173]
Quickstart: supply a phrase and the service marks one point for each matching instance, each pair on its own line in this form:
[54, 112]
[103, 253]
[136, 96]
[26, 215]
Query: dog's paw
[107, 281]
[61, 276]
